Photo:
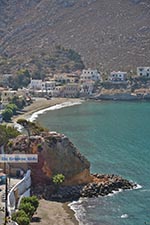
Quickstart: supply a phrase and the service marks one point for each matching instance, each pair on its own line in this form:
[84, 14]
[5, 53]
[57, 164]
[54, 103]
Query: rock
[56, 154]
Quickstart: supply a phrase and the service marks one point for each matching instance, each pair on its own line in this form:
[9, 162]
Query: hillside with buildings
[109, 35]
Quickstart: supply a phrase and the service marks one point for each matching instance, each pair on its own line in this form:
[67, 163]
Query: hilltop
[107, 34]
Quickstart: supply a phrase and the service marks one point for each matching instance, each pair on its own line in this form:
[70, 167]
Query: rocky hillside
[107, 34]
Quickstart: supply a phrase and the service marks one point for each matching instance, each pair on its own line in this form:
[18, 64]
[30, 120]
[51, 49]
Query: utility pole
[6, 204]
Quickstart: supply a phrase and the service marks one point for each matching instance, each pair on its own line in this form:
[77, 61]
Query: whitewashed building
[90, 74]
[87, 88]
[36, 84]
[64, 78]
[117, 76]
[57, 92]
[143, 71]
[48, 86]
[71, 90]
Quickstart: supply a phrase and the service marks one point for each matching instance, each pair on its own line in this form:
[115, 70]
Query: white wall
[23, 189]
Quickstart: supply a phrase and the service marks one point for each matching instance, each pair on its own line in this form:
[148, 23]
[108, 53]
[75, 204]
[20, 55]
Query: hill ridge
[108, 35]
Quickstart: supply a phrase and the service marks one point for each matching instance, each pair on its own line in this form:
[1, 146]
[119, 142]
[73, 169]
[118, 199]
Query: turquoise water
[115, 137]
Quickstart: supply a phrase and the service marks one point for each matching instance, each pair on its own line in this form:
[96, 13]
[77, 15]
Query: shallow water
[115, 137]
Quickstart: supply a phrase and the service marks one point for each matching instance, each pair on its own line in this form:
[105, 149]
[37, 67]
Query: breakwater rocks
[102, 185]
[105, 184]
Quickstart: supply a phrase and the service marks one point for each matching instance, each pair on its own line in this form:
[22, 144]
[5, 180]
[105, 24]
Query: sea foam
[35, 115]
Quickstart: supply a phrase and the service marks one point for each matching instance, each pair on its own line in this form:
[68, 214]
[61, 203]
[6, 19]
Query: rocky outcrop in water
[57, 154]
[101, 185]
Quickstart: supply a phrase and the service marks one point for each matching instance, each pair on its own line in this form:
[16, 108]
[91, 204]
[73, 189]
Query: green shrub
[58, 179]
[27, 208]
[33, 200]
[21, 218]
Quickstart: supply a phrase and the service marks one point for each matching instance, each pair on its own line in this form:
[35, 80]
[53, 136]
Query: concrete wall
[21, 189]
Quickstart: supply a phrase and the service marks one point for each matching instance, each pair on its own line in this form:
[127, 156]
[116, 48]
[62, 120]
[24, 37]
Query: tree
[7, 114]
[6, 133]
[19, 102]
[12, 107]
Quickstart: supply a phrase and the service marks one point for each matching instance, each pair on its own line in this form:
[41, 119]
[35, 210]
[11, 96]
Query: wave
[80, 212]
[114, 193]
[35, 115]
[138, 186]
[124, 216]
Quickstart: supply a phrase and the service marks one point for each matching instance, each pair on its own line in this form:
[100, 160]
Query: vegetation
[59, 59]
[19, 102]
[13, 107]
[21, 218]
[6, 133]
[21, 79]
[32, 200]
[58, 179]
[31, 127]
[7, 114]
[15, 104]
[27, 208]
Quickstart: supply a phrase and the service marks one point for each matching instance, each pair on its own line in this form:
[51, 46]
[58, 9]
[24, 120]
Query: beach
[54, 213]
[41, 104]
[49, 212]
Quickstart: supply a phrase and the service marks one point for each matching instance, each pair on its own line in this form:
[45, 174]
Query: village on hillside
[88, 83]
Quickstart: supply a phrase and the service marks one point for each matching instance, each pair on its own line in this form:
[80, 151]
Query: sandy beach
[39, 104]
[49, 212]
[54, 213]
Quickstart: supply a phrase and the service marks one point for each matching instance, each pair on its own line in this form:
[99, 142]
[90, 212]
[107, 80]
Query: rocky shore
[102, 185]
[123, 94]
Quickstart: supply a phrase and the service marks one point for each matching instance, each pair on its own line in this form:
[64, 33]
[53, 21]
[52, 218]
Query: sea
[115, 137]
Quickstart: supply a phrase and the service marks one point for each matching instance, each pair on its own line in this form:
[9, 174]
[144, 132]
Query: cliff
[56, 154]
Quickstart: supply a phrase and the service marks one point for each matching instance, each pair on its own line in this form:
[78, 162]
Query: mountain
[107, 34]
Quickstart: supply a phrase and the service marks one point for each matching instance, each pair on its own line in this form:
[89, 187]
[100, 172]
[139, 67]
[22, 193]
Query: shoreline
[41, 104]
[49, 212]
[54, 213]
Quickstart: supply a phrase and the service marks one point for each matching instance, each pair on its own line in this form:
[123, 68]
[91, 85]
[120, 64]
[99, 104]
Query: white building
[70, 90]
[48, 86]
[64, 78]
[57, 92]
[117, 76]
[143, 71]
[35, 84]
[90, 74]
[87, 87]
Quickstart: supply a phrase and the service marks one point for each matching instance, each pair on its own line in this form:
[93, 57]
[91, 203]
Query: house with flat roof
[90, 74]
[71, 90]
[143, 71]
[117, 76]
